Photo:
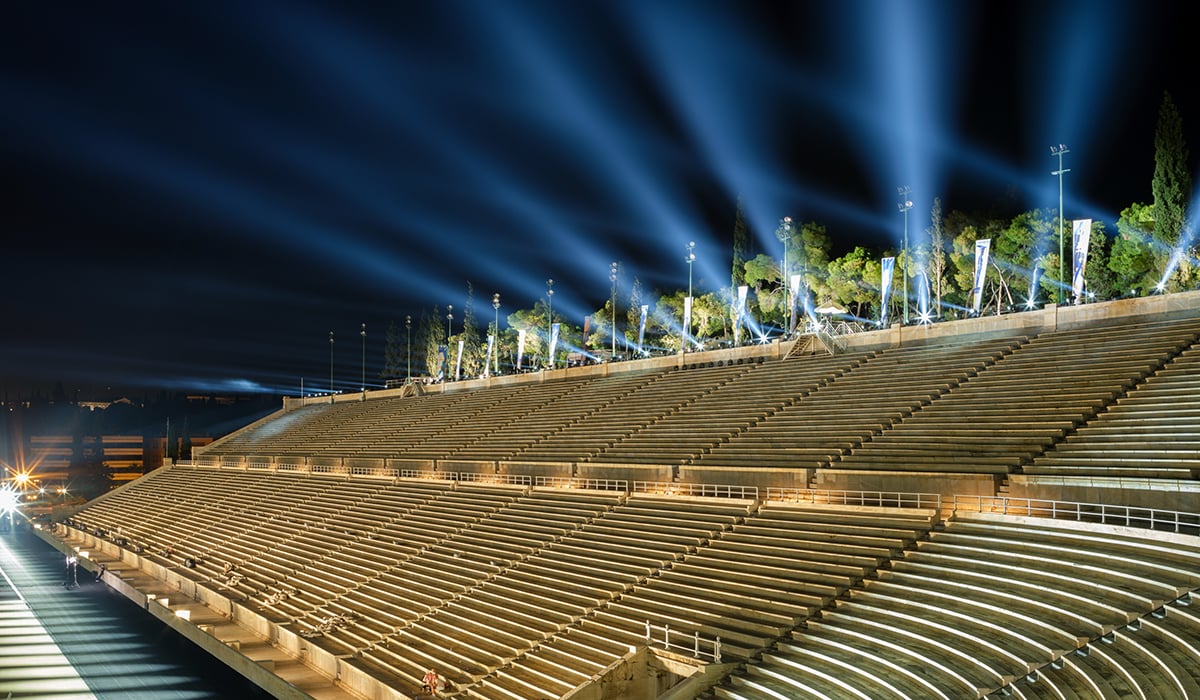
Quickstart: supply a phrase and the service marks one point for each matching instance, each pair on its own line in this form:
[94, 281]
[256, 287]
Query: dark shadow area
[118, 648]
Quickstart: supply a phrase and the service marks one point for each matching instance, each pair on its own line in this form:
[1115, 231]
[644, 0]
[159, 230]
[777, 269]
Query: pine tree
[937, 253]
[394, 353]
[741, 246]
[1171, 185]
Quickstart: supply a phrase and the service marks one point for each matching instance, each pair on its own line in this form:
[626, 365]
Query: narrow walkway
[87, 641]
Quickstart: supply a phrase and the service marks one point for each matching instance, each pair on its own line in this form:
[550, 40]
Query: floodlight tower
[408, 328]
[363, 386]
[691, 258]
[784, 234]
[549, 318]
[1058, 152]
[613, 268]
[449, 329]
[905, 204]
[496, 331]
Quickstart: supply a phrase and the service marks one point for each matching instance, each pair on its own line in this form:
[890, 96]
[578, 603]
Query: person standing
[430, 681]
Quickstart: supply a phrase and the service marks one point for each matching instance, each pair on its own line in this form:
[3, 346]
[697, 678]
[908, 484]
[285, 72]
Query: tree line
[1147, 250]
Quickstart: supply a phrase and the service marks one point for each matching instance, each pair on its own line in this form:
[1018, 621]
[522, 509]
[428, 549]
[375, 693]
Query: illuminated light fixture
[549, 318]
[687, 321]
[1058, 152]
[613, 269]
[408, 328]
[496, 330]
[1160, 287]
[905, 204]
[784, 234]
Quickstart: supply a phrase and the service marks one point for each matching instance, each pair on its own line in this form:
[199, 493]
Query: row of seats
[497, 584]
[1057, 403]
[987, 603]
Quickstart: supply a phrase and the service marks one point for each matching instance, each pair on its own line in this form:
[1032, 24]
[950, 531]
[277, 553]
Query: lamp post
[1058, 152]
[613, 268]
[784, 234]
[496, 331]
[449, 329]
[905, 204]
[363, 333]
[408, 343]
[549, 318]
[330, 366]
[691, 258]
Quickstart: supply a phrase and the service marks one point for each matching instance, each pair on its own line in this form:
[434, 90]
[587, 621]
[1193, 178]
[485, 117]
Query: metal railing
[1128, 516]
[883, 499]
[683, 642]
[670, 488]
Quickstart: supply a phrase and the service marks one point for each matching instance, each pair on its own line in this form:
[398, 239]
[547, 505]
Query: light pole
[496, 331]
[549, 318]
[613, 268]
[449, 329]
[330, 366]
[905, 204]
[784, 234]
[363, 333]
[1058, 152]
[691, 258]
[408, 328]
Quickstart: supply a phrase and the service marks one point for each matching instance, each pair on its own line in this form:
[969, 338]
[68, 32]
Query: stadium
[1003, 506]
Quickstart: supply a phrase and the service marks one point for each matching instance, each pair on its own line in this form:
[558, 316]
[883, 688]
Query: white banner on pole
[687, 320]
[795, 289]
[642, 327]
[983, 248]
[1081, 234]
[520, 347]
[553, 343]
[487, 367]
[458, 361]
[740, 313]
[886, 266]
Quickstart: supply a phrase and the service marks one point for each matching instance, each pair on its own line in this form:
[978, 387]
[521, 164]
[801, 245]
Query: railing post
[717, 651]
[696, 644]
[667, 636]
[647, 631]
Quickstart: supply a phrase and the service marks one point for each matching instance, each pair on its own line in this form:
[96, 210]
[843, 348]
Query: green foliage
[1132, 259]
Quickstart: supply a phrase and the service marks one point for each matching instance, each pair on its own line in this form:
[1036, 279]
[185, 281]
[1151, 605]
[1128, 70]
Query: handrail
[1129, 516]
[670, 641]
[886, 499]
[670, 488]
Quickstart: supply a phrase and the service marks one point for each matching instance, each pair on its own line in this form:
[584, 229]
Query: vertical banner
[642, 328]
[587, 329]
[687, 321]
[458, 361]
[487, 365]
[886, 267]
[983, 248]
[795, 289]
[740, 314]
[444, 361]
[520, 347]
[1081, 234]
[553, 343]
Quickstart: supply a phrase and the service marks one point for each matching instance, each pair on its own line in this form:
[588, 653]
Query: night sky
[197, 193]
